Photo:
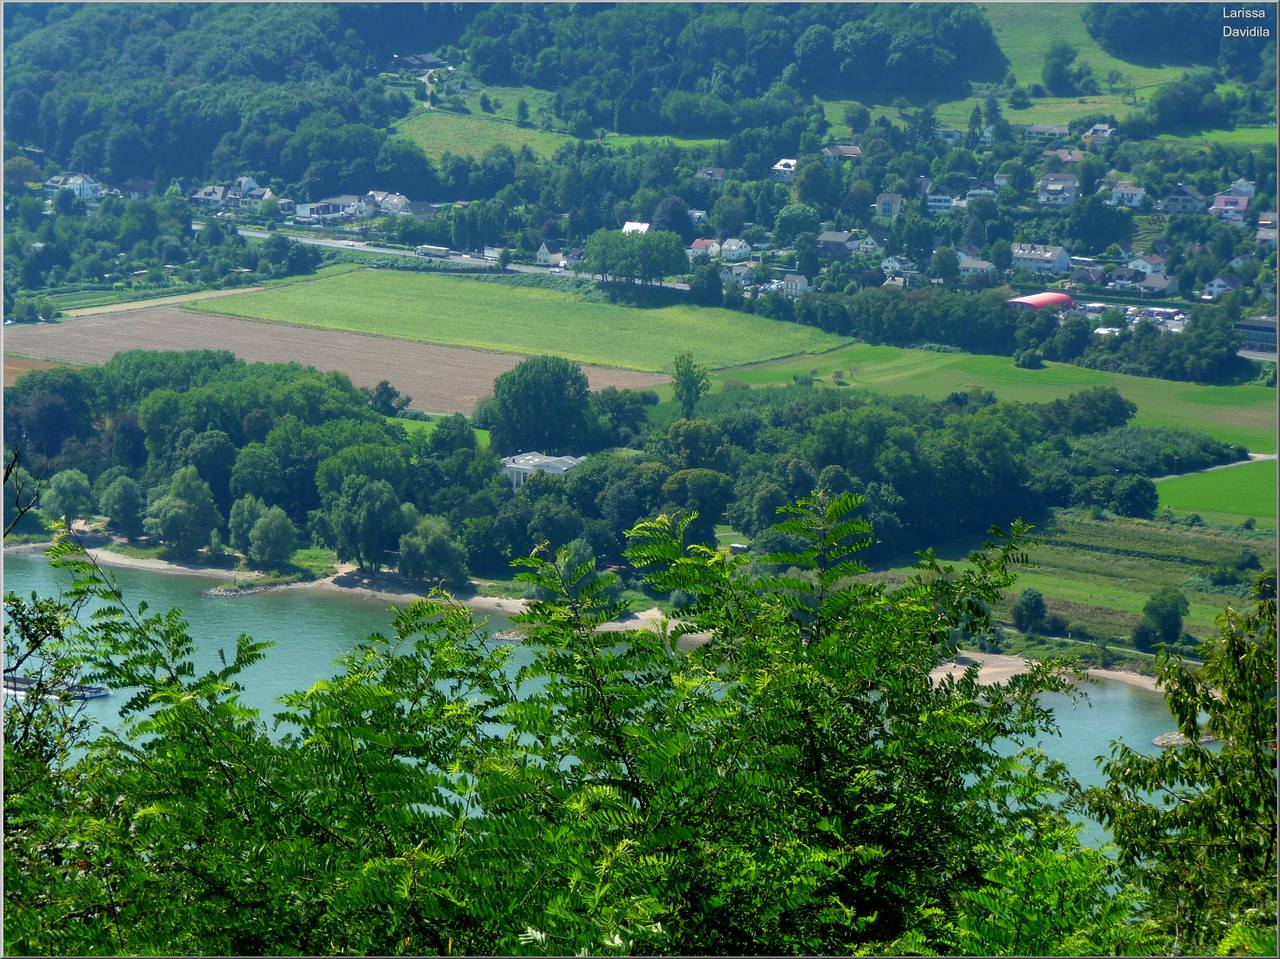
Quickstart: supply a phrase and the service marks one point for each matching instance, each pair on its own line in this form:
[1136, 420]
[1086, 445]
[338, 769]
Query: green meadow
[1236, 414]
[491, 316]
[1225, 496]
[428, 426]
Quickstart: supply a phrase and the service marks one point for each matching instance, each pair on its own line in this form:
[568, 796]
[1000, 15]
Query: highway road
[361, 246]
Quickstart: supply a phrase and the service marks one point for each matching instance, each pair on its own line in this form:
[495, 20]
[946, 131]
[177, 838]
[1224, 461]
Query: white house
[1229, 207]
[1057, 189]
[82, 185]
[840, 152]
[632, 226]
[734, 250]
[971, 266]
[1098, 135]
[395, 204]
[1220, 286]
[952, 138]
[794, 284]
[980, 193]
[1037, 258]
[939, 202]
[519, 468]
[1045, 133]
[1126, 194]
[1242, 187]
[897, 266]
[1147, 264]
[710, 247]
[1184, 199]
[784, 171]
[736, 274]
[889, 205]
[550, 254]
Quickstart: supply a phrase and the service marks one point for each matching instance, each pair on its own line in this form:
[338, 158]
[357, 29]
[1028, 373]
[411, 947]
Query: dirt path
[440, 379]
[159, 301]
[1253, 458]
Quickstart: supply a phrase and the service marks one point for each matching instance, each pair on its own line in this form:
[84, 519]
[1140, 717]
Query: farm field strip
[440, 379]
[15, 367]
[451, 311]
[1236, 414]
[1233, 495]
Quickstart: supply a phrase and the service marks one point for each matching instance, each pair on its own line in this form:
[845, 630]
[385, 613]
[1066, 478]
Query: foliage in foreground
[777, 774]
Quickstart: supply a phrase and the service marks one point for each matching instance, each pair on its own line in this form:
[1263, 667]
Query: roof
[632, 226]
[973, 263]
[835, 236]
[842, 150]
[553, 246]
[704, 245]
[1036, 250]
[1038, 301]
[541, 462]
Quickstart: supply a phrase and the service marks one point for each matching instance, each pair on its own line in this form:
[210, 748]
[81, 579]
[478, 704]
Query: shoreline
[993, 667]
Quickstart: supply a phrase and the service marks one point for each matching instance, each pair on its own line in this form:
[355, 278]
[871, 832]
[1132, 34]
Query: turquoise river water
[312, 628]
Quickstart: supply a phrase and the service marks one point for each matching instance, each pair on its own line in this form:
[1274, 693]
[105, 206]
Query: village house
[81, 185]
[1184, 199]
[520, 467]
[889, 205]
[1057, 189]
[392, 204]
[835, 244]
[1265, 237]
[898, 266]
[1229, 207]
[793, 285]
[1098, 135]
[980, 192]
[1125, 278]
[1267, 220]
[734, 250]
[939, 201]
[1002, 179]
[210, 197]
[1147, 263]
[1089, 276]
[1159, 284]
[1220, 286]
[1127, 194]
[869, 246]
[1259, 333]
[952, 138]
[784, 171]
[736, 274]
[634, 226]
[1066, 158]
[136, 188]
[710, 247]
[713, 174]
[1045, 133]
[1242, 187]
[343, 207]
[1037, 258]
[839, 153]
[550, 254]
[972, 266]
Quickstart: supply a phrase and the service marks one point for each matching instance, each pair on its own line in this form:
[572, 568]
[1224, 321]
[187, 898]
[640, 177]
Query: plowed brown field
[441, 379]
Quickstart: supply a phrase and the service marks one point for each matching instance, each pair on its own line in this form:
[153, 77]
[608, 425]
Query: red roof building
[1038, 301]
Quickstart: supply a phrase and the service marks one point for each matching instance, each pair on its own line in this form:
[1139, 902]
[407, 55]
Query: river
[312, 628]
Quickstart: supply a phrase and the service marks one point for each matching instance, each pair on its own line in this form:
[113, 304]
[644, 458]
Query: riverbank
[390, 588]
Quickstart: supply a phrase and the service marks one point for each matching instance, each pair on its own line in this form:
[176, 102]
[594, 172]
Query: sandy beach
[389, 588]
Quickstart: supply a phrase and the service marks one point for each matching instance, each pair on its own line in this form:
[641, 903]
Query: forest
[195, 449]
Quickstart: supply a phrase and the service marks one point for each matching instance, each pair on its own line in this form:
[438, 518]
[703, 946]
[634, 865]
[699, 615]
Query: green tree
[522, 112]
[690, 383]
[794, 219]
[1165, 610]
[257, 472]
[1196, 826]
[1029, 610]
[121, 503]
[273, 538]
[451, 433]
[542, 404]
[430, 552]
[185, 515]
[366, 521]
[69, 496]
[245, 512]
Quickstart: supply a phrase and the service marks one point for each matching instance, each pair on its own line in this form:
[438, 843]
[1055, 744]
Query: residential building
[710, 247]
[550, 254]
[83, 186]
[1159, 284]
[1089, 276]
[1038, 258]
[971, 266]
[1265, 237]
[889, 205]
[734, 250]
[793, 285]
[210, 197]
[715, 174]
[520, 467]
[1147, 264]
[1125, 278]
[835, 244]
[1267, 220]
[1184, 199]
[869, 246]
[952, 138]
[784, 171]
[1098, 135]
[1229, 207]
[1045, 133]
[897, 266]
[1220, 286]
[634, 226]
[736, 274]
[980, 193]
[136, 187]
[1259, 333]
[940, 201]
[1068, 158]
[1057, 189]
[1127, 194]
[840, 152]
[1242, 187]
[394, 204]
[697, 216]
[1002, 179]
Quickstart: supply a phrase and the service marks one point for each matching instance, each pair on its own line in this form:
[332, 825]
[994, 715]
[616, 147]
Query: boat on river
[20, 686]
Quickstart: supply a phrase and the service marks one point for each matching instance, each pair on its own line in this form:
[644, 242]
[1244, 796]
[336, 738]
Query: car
[350, 243]
[556, 269]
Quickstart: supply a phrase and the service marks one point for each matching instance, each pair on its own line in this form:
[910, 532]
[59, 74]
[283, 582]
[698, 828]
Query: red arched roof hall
[1038, 301]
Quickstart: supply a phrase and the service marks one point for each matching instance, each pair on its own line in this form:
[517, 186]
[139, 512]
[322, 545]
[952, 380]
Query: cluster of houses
[92, 190]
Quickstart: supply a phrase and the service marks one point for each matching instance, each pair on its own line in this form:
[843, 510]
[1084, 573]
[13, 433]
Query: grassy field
[1237, 414]
[438, 132]
[459, 312]
[1101, 572]
[427, 427]
[1239, 137]
[1225, 496]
